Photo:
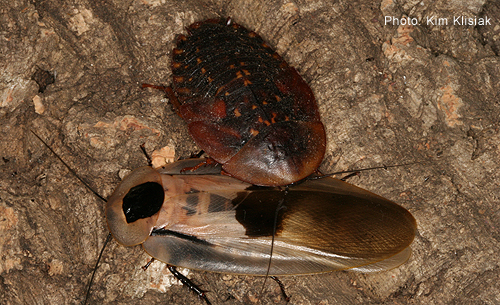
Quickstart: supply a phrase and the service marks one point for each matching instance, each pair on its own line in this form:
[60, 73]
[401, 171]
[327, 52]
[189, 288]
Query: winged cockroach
[206, 221]
[203, 220]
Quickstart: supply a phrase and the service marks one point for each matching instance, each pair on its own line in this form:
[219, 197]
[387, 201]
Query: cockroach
[244, 105]
[203, 220]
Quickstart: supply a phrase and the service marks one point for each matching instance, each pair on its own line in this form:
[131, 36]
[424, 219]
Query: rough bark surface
[388, 94]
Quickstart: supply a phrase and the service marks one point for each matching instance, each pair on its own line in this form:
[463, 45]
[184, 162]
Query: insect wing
[322, 225]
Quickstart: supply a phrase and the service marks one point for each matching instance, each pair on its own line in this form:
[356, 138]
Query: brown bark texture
[71, 71]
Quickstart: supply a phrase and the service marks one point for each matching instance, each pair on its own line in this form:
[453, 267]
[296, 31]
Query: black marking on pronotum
[163, 232]
[43, 78]
[143, 201]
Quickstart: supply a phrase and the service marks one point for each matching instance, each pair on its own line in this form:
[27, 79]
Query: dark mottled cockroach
[206, 221]
[244, 105]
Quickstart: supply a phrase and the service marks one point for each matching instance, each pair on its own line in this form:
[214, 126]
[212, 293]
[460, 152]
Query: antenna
[354, 171]
[95, 193]
[279, 207]
[69, 168]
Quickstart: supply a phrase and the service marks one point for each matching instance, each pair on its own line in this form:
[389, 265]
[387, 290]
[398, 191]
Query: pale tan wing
[324, 225]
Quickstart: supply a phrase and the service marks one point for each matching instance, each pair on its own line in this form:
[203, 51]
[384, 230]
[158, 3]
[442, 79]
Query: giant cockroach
[244, 105]
[206, 221]
[203, 220]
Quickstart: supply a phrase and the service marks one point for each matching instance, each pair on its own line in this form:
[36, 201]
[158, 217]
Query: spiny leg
[282, 287]
[187, 282]
[145, 267]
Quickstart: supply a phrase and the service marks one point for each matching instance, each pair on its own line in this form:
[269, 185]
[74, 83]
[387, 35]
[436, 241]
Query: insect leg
[282, 287]
[187, 282]
[145, 267]
[208, 161]
[197, 155]
[148, 157]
